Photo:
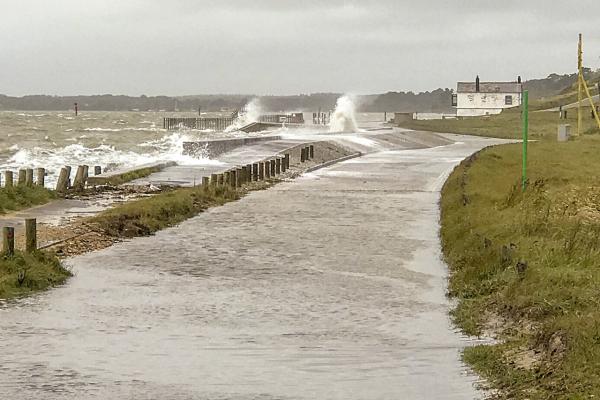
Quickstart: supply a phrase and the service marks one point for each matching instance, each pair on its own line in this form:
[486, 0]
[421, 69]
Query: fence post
[214, 179]
[78, 183]
[8, 178]
[22, 177]
[29, 177]
[232, 178]
[63, 180]
[311, 151]
[40, 177]
[261, 171]
[267, 168]
[239, 178]
[8, 240]
[278, 165]
[255, 172]
[30, 235]
[205, 182]
[272, 167]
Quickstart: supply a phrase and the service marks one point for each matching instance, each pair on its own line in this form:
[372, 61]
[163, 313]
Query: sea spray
[343, 118]
[167, 148]
[251, 112]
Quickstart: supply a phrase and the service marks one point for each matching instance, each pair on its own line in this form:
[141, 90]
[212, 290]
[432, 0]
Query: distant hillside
[555, 84]
[436, 101]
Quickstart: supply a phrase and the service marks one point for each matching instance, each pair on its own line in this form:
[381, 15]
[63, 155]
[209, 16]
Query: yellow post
[579, 80]
[589, 96]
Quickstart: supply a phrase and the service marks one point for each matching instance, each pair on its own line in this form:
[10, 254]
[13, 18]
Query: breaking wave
[343, 118]
[167, 148]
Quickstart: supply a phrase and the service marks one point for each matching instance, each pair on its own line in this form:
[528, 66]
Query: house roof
[490, 87]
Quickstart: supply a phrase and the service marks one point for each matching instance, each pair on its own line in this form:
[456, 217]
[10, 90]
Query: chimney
[477, 84]
[519, 79]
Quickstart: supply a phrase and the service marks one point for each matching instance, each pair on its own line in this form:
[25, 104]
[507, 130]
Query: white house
[484, 98]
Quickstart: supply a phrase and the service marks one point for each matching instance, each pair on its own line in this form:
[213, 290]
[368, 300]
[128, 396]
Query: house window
[454, 100]
[508, 100]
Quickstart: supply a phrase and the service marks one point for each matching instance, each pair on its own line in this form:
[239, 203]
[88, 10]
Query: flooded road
[327, 287]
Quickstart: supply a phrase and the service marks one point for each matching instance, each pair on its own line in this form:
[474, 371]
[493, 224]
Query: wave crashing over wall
[343, 118]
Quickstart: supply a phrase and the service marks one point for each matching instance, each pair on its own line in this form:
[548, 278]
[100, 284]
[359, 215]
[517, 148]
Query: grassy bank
[542, 124]
[19, 197]
[26, 273]
[528, 262]
[149, 215]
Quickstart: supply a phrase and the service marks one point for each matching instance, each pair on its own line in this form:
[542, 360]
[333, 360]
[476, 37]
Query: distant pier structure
[219, 124]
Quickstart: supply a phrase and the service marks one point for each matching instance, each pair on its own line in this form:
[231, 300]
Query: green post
[525, 115]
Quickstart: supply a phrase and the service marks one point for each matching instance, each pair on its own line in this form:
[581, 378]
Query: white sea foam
[167, 148]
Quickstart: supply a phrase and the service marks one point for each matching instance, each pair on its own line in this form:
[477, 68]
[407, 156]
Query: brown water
[327, 287]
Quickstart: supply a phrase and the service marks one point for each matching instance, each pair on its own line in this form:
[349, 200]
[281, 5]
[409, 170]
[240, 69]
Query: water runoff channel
[329, 286]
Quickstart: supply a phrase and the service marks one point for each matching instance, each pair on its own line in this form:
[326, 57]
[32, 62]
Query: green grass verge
[529, 260]
[19, 197]
[23, 274]
[149, 215]
[542, 124]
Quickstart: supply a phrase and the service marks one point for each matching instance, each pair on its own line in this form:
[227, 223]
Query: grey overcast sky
[178, 47]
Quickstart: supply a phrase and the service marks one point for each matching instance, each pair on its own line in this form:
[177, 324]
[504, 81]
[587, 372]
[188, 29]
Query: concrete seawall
[214, 148]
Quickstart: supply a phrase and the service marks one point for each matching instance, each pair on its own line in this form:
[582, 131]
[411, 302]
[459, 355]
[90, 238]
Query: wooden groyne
[222, 123]
[215, 124]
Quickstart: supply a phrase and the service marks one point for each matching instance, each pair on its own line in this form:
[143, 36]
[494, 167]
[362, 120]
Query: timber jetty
[219, 124]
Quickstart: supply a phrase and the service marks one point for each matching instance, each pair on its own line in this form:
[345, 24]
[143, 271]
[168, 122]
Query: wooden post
[311, 151]
[68, 167]
[232, 178]
[40, 177]
[97, 170]
[302, 154]
[8, 240]
[220, 179]
[226, 178]
[63, 180]
[272, 167]
[205, 182]
[255, 172]
[278, 165]
[286, 158]
[267, 168]
[8, 178]
[78, 183]
[243, 175]
[261, 171]
[214, 181]
[22, 177]
[248, 172]
[29, 177]
[239, 178]
[30, 235]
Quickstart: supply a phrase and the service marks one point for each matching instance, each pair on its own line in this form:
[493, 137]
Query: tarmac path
[330, 286]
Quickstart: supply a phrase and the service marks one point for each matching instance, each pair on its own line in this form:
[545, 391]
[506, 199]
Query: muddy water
[327, 287]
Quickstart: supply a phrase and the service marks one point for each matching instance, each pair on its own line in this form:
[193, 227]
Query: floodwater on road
[327, 287]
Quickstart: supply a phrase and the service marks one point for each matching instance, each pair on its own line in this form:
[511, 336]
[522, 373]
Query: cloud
[280, 46]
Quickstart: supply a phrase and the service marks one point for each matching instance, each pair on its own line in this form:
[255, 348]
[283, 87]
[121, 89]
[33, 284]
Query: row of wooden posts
[236, 177]
[25, 178]
[8, 238]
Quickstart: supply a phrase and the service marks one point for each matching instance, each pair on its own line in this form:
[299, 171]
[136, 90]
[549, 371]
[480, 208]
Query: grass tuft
[20, 196]
[22, 273]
